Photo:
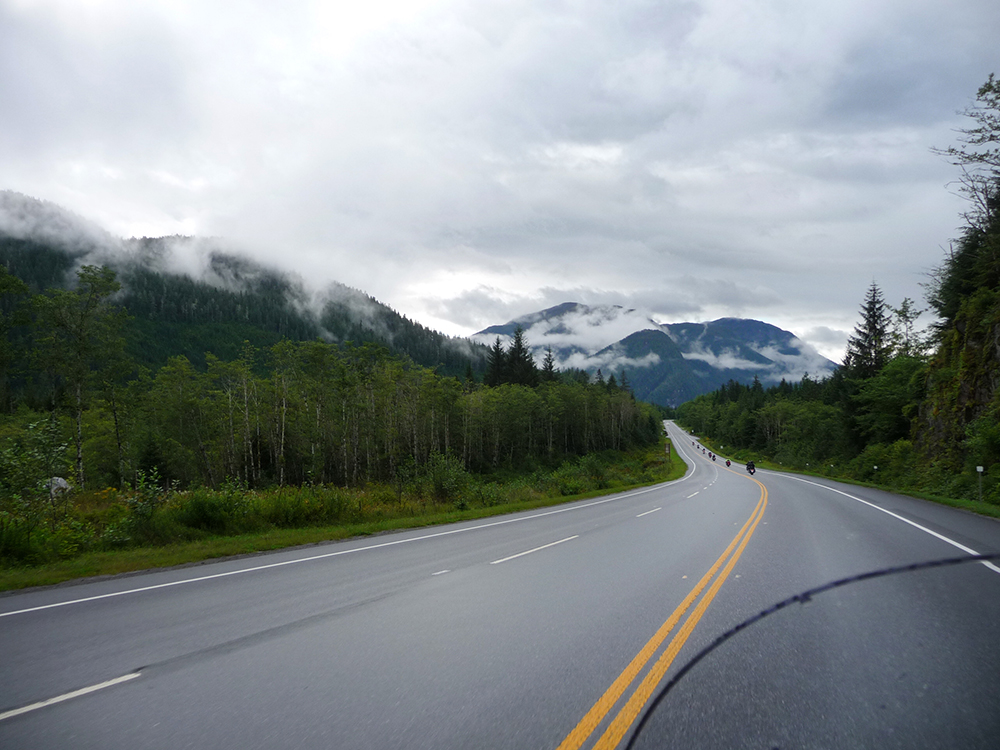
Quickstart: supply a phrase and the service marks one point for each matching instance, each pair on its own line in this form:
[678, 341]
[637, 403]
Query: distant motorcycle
[728, 463]
[751, 468]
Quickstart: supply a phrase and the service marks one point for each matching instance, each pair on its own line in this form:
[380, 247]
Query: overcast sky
[468, 162]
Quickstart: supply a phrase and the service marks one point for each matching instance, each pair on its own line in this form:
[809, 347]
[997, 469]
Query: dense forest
[296, 412]
[907, 408]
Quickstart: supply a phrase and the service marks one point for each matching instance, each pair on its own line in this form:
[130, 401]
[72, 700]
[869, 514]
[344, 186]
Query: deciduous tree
[80, 334]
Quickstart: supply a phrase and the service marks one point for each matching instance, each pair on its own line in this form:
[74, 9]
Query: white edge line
[68, 696]
[298, 560]
[942, 537]
[648, 512]
[528, 552]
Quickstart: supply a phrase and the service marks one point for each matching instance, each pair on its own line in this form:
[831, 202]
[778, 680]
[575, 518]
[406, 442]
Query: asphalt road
[545, 629]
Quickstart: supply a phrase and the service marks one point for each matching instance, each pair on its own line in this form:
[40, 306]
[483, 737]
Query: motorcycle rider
[751, 468]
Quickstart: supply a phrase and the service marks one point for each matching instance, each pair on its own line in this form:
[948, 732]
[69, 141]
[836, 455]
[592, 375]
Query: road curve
[543, 629]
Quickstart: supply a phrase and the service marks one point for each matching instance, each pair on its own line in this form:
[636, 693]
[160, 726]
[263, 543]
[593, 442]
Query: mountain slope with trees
[214, 308]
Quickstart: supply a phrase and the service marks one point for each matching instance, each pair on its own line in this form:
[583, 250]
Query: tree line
[914, 409]
[296, 412]
[835, 423]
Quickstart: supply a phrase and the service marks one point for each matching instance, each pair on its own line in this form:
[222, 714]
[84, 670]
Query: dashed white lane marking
[536, 549]
[67, 696]
[648, 512]
[440, 573]
[692, 495]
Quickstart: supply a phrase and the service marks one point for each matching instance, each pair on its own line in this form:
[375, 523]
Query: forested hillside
[905, 409]
[229, 301]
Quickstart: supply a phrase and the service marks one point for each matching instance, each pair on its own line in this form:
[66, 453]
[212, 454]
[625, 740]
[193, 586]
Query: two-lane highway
[537, 630]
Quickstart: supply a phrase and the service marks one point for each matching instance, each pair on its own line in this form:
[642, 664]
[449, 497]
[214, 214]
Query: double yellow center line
[628, 713]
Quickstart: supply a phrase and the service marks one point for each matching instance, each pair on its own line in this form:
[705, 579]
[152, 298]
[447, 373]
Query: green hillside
[175, 314]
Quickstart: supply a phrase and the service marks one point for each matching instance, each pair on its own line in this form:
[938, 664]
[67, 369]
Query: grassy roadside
[130, 560]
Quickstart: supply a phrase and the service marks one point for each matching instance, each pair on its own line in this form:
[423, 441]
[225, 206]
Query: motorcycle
[751, 468]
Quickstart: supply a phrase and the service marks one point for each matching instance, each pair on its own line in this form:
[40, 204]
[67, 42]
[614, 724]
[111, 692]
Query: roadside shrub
[199, 510]
[489, 494]
[289, 507]
[447, 477]
[72, 538]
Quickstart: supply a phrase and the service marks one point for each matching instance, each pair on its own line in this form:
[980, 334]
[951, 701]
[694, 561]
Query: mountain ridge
[665, 363]
[192, 295]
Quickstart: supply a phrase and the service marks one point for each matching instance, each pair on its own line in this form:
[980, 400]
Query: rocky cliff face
[963, 386]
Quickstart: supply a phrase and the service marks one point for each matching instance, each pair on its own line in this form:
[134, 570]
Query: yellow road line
[606, 702]
[630, 711]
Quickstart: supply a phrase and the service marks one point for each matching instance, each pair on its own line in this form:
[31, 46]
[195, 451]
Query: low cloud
[727, 359]
[469, 162]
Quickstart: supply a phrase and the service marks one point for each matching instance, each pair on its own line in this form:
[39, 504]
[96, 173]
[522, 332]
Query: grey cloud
[116, 90]
[472, 161]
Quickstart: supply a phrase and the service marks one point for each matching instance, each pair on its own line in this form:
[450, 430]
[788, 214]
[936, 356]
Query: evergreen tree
[624, 384]
[12, 291]
[868, 350]
[978, 156]
[549, 373]
[521, 368]
[496, 365]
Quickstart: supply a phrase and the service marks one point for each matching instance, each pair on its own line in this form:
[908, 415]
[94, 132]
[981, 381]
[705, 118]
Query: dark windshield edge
[802, 598]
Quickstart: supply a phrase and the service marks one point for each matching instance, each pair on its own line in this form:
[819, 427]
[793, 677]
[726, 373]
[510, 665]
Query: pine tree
[549, 373]
[496, 365]
[624, 384]
[869, 349]
[521, 368]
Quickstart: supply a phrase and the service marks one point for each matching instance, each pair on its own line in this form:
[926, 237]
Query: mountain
[665, 364]
[190, 295]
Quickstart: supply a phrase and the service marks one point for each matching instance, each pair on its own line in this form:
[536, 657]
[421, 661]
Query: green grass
[118, 562]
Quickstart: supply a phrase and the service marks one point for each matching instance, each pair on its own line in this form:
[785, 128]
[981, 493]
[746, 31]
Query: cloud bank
[468, 162]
